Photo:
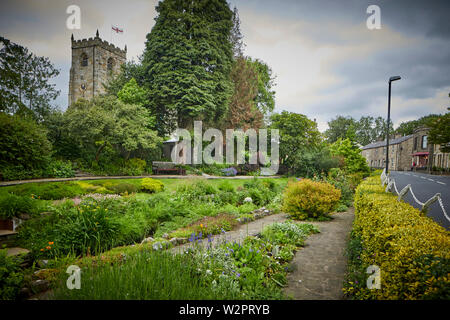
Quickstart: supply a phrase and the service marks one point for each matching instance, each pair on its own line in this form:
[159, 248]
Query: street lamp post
[395, 78]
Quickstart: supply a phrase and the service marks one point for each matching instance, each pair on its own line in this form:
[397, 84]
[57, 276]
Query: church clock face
[83, 88]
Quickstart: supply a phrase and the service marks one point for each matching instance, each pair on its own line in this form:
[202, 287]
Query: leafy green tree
[25, 86]
[297, 134]
[108, 124]
[315, 161]
[408, 127]
[440, 131]
[131, 93]
[265, 98]
[364, 131]
[128, 71]
[354, 161]
[58, 135]
[187, 61]
[338, 127]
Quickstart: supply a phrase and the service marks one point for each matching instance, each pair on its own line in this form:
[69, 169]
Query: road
[424, 187]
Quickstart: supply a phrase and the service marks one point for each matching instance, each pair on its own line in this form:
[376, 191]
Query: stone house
[399, 153]
[406, 152]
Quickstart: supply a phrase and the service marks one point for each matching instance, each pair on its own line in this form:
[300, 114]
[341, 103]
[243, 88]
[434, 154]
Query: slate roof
[383, 143]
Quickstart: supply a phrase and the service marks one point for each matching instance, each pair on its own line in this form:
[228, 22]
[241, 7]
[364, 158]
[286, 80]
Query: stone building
[94, 61]
[399, 153]
[406, 152]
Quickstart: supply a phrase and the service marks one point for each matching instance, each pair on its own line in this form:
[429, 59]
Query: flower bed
[253, 269]
[412, 251]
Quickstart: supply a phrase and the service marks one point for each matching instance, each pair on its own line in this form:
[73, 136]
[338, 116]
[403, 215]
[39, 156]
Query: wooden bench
[161, 166]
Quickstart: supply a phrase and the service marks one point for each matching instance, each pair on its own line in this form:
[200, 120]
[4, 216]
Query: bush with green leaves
[340, 180]
[25, 149]
[59, 169]
[92, 227]
[310, 199]
[134, 167]
[123, 187]
[150, 185]
[48, 190]
[12, 205]
[354, 161]
[11, 276]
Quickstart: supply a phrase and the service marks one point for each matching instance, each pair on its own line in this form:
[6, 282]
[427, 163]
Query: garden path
[249, 229]
[320, 267]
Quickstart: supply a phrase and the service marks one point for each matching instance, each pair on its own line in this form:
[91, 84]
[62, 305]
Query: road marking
[415, 176]
[423, 177]
[441, 183]
[430, 179]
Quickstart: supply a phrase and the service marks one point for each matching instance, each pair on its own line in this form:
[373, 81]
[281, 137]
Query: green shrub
[340, 180]
[134, 167]
[196, 189]
[59, 169]
[11, 277]
[123, 187]
[18, 172]
[150, 185]
[225, 186]
[48, 190]
[23, 143]
[12, 205]
[92, 227]
[310, 199]
[410, 248]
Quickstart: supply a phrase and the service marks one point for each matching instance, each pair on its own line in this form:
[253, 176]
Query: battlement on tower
[94, 63]
[97, 41]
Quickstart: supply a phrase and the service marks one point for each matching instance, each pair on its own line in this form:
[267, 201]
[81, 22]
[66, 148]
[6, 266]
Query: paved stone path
[320, 267]
[249, 229]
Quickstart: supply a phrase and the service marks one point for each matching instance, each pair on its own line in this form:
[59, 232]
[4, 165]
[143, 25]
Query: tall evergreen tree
[187, 62]
[236, 36]
[243, 112]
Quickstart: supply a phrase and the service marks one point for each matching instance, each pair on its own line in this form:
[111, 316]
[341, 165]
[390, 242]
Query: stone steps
[7, 237]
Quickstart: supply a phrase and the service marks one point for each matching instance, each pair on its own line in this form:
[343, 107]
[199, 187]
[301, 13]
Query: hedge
[412, 251]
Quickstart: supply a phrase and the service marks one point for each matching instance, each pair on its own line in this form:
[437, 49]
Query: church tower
[94, 62]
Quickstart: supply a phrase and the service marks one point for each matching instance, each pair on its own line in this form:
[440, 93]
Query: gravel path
[320, 267]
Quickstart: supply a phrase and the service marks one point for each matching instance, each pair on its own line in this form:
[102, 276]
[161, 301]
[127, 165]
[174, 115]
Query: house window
[415, 143]
[424, 142]
[84, 60]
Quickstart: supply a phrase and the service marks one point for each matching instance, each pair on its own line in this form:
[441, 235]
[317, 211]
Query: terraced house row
[407, 153]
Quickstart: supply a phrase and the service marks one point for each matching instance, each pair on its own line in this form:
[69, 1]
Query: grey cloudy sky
[326, 60]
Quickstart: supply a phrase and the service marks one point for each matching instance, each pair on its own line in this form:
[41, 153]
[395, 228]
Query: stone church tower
[94, 62]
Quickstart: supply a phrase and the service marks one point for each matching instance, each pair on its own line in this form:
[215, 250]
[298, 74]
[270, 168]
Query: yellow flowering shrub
[310, 199]
[412, 251]
[150, 185]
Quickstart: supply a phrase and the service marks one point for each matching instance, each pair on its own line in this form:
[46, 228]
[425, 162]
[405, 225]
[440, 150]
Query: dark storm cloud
[422, 58]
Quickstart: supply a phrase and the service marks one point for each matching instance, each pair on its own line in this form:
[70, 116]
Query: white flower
[208, 272]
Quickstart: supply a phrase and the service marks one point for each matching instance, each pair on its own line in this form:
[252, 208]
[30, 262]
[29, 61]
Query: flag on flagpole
[117, 29]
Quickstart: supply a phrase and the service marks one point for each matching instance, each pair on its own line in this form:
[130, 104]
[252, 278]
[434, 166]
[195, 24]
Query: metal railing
[391, 186]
